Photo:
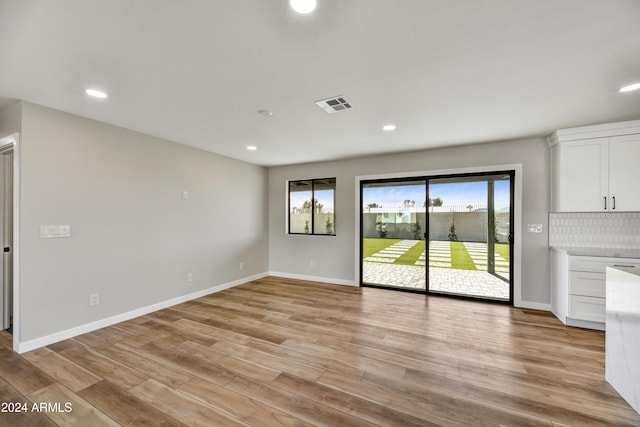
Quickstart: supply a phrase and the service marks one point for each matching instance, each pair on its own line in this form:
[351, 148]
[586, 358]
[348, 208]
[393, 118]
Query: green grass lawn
[460, 258]
[411, 256]
[371, 246]
[503, 250]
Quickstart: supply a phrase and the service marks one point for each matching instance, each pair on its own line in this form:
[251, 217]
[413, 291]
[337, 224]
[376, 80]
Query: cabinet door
[560, 284]
[587, 308]
[624, 172]
[583, 176]
[587, 284]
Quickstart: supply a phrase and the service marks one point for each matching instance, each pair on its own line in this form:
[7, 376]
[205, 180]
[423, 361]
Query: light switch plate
[55, 231]
[534, 228]
[94, 299]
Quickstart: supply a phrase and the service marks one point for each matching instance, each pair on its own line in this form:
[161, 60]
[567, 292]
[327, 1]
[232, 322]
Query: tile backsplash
[595, 230]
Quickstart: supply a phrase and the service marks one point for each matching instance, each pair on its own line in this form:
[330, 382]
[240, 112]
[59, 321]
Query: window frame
[313, 216]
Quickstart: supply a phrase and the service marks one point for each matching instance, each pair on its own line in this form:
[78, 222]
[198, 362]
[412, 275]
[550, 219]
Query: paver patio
[379, 269]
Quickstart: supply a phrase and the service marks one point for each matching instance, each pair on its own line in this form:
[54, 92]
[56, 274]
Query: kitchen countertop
[629, 270]
[603, 252]
[622, 344]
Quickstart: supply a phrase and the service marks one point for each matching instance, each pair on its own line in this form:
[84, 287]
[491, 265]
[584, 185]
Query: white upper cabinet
[596, 168]
[624, 172]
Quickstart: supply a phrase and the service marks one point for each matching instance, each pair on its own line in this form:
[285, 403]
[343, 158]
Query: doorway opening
[444, 234]
[6, 237]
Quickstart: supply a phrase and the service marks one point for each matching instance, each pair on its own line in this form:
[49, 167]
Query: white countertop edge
[628, 270]
[602, 252]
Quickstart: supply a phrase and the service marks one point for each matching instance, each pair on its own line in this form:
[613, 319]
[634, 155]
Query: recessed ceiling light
[629, 88]
[265, 113]
[96, 93]
[389, 127]
[303, 7]
[252, 147]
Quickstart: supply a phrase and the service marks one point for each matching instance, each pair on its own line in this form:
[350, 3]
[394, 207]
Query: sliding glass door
[447, 235]
[469, 248]
[393, 228]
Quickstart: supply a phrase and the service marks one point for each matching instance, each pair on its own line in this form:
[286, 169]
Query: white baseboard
[23, 347]
[534, 305]
[522, 304]
[103, 323]
[314, 278]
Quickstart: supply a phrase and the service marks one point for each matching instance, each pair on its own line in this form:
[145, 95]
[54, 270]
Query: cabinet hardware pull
[622, 265]
[614, 202]
[605, 203]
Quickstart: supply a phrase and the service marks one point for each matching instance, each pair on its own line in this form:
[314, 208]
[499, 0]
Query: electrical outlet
[241, 265]
[312, 263]
[94, 299]
[189, 277]
[534, 228]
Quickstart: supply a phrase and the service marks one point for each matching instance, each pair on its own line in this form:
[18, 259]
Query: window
[312, 206]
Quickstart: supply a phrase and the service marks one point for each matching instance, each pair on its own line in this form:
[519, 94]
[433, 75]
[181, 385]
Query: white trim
[517, 217]
[103, 323]
[586, 324]
[286, 211]
[313, 278]
[534, 305]
[14, 139]
[595, 131]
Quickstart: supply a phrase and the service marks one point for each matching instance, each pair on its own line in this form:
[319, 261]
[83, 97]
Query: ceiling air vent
[334, 104]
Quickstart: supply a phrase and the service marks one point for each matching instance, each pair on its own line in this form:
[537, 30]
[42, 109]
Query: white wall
[133, 237]
[10, 120]
[335, 256]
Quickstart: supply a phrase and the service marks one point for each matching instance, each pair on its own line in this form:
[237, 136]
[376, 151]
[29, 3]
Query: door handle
[605, 203]
[7, 249]
[614, 202]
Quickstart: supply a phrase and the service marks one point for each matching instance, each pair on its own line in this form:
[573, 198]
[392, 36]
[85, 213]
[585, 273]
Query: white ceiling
[444, 71]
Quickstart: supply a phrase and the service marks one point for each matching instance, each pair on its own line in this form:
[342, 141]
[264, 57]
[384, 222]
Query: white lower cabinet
[591, 309]
[578, 287]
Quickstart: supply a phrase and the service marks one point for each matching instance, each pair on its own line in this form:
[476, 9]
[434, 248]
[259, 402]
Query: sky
[393, 195]
[460, 194]
[325, 197]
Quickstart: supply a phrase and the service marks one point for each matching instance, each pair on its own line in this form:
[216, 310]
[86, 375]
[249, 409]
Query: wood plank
[238, 405]
[105, 367]
[20, 374]
[526, 390]
[162, 372]
[214, 331]
[208, 368]
[177, 332]
[124, 408]
[290, 352]
[25, 417]
[342, 359]
[454, 396]
[78, 412]
[6, 339]
[102, 337]
[362, 408]
[277, 363]
[62, 369]
[182, 406]
[61, 346]
[440, 409]
[251, 331]
[308, 410]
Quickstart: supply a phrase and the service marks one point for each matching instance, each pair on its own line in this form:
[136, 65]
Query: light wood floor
[280, 352]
